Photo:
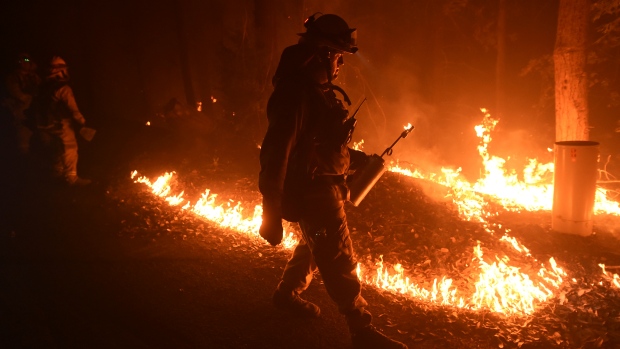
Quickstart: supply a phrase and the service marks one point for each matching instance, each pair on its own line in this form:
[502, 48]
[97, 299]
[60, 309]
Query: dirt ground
[112, 266]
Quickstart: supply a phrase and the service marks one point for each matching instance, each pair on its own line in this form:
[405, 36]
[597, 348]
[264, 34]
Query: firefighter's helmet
[23, 57]
[25, 62]
[58, 69]
[330, 31]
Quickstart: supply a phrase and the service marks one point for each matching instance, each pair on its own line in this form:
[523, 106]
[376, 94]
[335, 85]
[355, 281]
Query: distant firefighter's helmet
[58, 68]
[23, 57]
[330, 31]
[25, 62]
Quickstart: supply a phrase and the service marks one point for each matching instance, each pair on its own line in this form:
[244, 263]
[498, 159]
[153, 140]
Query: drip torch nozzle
[404, 134]
[407, 130]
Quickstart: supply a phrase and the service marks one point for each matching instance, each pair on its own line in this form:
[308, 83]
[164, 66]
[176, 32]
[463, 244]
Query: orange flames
[533, 193]
[614, 279]
[225, 215]
[500, 287]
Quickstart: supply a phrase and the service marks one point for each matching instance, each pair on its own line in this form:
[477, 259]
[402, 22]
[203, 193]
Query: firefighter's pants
[63, 149]
[326, 246]
[18, 132]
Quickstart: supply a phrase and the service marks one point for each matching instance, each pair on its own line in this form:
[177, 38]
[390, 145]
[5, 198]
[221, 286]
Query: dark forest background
[433, 63]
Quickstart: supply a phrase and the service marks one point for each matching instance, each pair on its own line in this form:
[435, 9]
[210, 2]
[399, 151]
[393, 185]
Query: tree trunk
[500, 63]
[188, 85]
[266, 38]
[439, 58]
[569, 57]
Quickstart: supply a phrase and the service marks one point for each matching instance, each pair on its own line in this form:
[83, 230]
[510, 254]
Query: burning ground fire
[500, 287]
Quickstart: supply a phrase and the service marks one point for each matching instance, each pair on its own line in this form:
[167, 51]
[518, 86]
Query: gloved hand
[358, 159]
[271, 230]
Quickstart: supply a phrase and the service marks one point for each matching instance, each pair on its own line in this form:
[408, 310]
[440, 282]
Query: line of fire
[496, 282]
[499, 284]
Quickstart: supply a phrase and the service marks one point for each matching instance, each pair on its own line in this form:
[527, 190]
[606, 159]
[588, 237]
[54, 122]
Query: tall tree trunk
[438, 57]
[190, 97]
[265, 15]
[500, 63]
[569, 57]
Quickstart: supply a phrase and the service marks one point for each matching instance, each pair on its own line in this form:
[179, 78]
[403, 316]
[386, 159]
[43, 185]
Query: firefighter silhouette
[304, 164]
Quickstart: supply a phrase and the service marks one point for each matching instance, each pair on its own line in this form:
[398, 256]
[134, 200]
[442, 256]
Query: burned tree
[569, 57]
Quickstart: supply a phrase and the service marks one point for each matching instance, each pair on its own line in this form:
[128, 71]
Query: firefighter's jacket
[306, 138]
[57, 103]
[21, 87]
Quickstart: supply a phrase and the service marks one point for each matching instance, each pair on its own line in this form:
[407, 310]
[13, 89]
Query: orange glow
[614, 279]
[224, 214]
[358, 145]
[534, 192]
[500, 286]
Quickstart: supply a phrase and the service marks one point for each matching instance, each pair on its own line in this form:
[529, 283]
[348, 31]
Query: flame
[516, 245]
[603, 205]
[614, 279]
[397, 282]
[533, 193]
[500, 287]
[226, 215]
[503, 288]
[358, 145]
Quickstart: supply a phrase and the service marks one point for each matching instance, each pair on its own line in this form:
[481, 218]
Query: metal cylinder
[365, 178]
[574, 186]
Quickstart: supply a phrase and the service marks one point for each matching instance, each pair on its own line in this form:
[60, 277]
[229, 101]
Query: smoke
[607, 224]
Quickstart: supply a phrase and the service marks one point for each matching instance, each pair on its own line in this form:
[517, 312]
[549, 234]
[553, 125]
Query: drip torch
[366, 177]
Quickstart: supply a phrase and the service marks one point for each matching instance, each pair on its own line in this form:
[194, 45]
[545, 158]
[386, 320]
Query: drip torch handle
[404, 134]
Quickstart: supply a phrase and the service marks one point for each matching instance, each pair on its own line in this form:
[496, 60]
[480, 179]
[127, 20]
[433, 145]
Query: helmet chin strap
[325, 58]
[339, 89]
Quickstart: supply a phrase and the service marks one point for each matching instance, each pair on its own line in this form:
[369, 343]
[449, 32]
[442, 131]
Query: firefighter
[21, 87]
[304, 162]
[58, 118]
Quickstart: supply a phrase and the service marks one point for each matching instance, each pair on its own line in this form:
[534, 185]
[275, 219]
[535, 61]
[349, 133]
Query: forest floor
[113, 266]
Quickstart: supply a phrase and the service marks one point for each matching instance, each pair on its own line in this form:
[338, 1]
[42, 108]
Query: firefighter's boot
[291, 302]
[76, 181]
